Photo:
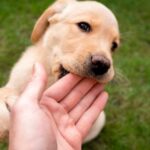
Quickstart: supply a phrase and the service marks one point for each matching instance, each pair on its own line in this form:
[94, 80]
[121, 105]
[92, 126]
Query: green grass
[128, 113]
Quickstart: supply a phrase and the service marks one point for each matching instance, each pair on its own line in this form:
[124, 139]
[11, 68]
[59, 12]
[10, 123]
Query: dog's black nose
[99, 64]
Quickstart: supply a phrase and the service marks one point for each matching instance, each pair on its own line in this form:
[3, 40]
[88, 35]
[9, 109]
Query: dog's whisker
[120, 78]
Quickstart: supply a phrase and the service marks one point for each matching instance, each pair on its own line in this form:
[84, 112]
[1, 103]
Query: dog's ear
[42, 23]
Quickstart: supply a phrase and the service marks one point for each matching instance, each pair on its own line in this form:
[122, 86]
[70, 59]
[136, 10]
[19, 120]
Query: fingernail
[105, 94]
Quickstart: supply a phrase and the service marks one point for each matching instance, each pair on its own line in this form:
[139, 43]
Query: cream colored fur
[57, 41]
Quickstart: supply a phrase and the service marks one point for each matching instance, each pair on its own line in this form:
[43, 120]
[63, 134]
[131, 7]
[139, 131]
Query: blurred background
[128, 110]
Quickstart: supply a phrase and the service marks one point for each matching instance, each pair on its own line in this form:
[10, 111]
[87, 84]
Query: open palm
[58, 118]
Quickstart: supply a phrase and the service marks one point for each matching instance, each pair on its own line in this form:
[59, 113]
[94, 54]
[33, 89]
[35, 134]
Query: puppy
[70, 36]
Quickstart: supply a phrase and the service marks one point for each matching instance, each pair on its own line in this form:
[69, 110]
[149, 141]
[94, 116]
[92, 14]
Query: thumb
[36, 86]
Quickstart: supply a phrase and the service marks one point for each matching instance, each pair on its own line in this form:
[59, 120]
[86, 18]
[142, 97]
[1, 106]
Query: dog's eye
[114, 46]
[84, 26]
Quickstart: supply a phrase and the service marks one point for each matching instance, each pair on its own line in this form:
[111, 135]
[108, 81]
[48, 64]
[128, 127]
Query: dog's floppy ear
[42, 23]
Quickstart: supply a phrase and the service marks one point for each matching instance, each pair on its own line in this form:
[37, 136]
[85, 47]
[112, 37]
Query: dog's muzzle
[97, 67]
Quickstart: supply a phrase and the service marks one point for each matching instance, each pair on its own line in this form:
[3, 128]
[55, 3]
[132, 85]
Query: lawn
[128, 110]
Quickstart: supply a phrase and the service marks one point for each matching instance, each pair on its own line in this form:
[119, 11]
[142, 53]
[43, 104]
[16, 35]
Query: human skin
[58, 118]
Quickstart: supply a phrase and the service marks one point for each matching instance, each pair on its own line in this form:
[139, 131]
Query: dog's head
[81, 37]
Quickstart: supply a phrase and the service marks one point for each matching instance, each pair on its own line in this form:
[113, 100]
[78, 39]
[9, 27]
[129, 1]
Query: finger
[73, 98]
[89, 117]
[53, 107]
[62, 87]
[86, 102]
[36, 86]
[64, 123]
[57, 111]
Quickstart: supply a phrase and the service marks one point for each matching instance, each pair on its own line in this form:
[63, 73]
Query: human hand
[58, 118]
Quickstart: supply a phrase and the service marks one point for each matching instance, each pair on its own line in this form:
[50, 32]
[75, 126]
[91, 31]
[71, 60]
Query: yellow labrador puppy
[70, 36]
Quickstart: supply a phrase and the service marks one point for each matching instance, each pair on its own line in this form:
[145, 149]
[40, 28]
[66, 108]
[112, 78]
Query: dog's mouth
[63, 72]
[100, 78]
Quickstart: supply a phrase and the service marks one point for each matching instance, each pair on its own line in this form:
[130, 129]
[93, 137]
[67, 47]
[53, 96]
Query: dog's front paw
[4, 120]
[7, 99]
